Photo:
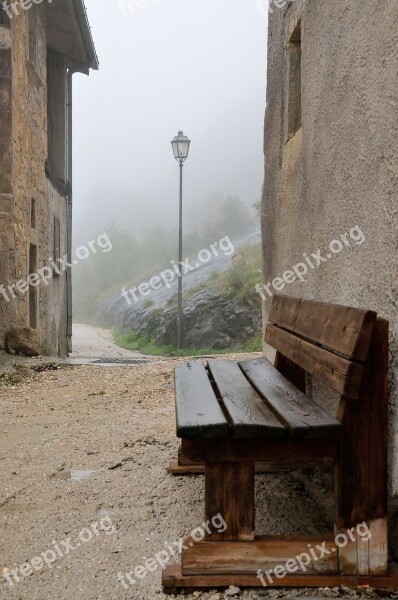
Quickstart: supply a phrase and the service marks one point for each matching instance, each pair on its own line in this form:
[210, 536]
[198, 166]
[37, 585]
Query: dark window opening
[57, 243]
[33, 34]
[33, 213]
[294, 101]
[56, 121]
[32, 289]
[4, 18]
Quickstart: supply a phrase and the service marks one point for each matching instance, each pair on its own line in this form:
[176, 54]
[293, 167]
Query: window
[33, 37]
[56, 121]
[294, 99]
[32, 289]
[57, 242]
[36, 44]
[33, 213]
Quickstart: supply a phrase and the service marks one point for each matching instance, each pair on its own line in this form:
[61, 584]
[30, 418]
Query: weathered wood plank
[248, 414]
[287, 451]
[378, 358]
[343, 329]
[198, 411]
[263, 553]
[378, 547]
[292, 372]
[245, 500]
[229, 510]
[352, 471]
[173, 579]
[303, 417]
[367, 553]
[336, 371]
[363, 556]
[214, 490]
[361, 475]
[191, 468]
[348, 556]
[229, 491]
[182, 460]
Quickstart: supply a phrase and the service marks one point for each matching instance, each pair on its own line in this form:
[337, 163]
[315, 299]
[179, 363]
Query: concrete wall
[339, 171]
[26, 115]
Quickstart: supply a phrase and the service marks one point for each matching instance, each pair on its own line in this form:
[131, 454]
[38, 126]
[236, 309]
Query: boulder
[22, 340]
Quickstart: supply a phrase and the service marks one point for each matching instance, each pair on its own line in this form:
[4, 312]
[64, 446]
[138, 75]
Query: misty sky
[196, 65]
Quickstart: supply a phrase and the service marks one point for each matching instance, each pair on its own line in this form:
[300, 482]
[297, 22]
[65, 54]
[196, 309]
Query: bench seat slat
[250, 417]
[198, 410]
[303, 417]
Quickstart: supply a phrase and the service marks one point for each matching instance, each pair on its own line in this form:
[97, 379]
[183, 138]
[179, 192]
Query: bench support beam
[173, 581]
[263, 554]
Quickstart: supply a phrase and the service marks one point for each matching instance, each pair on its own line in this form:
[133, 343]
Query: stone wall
[6, 156]
[339, 170]
[28, 182]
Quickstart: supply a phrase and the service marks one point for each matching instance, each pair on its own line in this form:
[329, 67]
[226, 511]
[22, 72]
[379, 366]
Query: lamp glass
[180, 146]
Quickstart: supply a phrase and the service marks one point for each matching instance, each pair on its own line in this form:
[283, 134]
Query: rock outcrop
[211, 320]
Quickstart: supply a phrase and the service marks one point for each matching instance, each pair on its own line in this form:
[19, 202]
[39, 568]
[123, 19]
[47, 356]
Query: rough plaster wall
[29, 150]
[340, 170]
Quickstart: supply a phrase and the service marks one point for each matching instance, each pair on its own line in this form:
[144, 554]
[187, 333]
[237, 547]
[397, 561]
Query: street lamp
[180, 145]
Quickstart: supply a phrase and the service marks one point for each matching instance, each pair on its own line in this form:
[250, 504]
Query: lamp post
[180, 145]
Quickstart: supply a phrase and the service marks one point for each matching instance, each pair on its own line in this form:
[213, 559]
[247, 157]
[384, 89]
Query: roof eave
[81, 12]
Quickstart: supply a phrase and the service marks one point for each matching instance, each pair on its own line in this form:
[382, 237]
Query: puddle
[73, 474]
[103, 513]
[108, 362]
[80, 474]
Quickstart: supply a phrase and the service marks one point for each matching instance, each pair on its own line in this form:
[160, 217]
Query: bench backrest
[327, 340]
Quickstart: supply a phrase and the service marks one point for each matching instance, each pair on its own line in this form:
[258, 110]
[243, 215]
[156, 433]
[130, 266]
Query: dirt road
[85, 496]
[94, 342]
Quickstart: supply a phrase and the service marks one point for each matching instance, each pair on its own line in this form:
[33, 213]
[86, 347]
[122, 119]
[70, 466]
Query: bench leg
[229, 489]
[361, 472]
[367, 554]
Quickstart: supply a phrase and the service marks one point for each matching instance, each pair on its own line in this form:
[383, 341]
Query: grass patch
[254, 345]
[239, 281]
[143, 344]
[241, 278]
[11, 379]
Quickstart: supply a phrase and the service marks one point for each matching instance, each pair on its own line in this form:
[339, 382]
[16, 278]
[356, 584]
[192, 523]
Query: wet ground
[85, 497]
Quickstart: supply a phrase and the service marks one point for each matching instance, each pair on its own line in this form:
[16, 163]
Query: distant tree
[257, 208]
[234, 216]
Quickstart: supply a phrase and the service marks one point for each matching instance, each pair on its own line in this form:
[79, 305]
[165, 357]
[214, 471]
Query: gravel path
[89, 445]
[94, 342]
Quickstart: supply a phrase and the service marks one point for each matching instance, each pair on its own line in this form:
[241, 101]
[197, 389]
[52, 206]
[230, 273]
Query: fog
[199, 66]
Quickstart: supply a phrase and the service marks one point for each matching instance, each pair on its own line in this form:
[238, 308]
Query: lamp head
[180, 145]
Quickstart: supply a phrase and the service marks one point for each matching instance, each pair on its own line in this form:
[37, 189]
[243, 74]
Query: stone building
[42, 43]
[331, 173]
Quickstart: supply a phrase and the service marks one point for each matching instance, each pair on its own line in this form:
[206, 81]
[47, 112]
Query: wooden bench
[232, 415]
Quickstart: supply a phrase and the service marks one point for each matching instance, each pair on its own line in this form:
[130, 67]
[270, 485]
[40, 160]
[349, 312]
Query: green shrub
[237, 277]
